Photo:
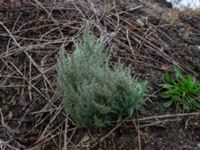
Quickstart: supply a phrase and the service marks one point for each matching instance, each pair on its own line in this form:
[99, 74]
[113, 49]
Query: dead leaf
[165, 67]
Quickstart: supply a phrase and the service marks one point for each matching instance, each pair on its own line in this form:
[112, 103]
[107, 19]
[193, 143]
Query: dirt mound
[149, 36]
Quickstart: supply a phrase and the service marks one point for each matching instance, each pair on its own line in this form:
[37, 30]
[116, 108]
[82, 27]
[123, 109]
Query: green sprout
[183, 91]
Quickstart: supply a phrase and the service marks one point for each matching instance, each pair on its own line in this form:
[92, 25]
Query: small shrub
[181, 90]
[91, 92]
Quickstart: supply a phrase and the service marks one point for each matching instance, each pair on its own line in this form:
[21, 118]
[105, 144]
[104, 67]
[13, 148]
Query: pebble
[198, 146]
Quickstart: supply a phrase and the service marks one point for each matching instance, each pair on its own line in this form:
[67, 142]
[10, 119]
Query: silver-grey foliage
[92, 92]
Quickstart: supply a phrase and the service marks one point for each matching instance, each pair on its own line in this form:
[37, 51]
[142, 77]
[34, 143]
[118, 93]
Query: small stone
[85, 139]
[140, 23]
[2, 142]
[198, 146]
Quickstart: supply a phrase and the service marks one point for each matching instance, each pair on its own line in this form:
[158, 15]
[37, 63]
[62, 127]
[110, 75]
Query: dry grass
[31, 36]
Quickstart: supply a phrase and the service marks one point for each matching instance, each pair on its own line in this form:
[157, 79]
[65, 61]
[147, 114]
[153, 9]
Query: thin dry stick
[155, 120]
[111, 131]
[46, 128]
[9, 40]
[138, 131]
[150, 45]
[169, 116]
[30, 80]
[30, 58]
[108, 134]
[127, 36]
[2, 121]
[27, 80]
[18, 71]
[49, 14]
[65, 134]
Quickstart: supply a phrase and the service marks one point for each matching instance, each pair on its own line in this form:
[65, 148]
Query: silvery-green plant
[92, 93]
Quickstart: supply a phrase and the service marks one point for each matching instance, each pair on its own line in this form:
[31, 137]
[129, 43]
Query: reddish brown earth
[31, 34]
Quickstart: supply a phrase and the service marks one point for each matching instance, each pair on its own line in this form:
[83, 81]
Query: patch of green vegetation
[173, 23]
[198, 10]
[183, 91]
[93, 93]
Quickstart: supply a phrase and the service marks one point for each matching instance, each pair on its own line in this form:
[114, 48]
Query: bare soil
[149, 36]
